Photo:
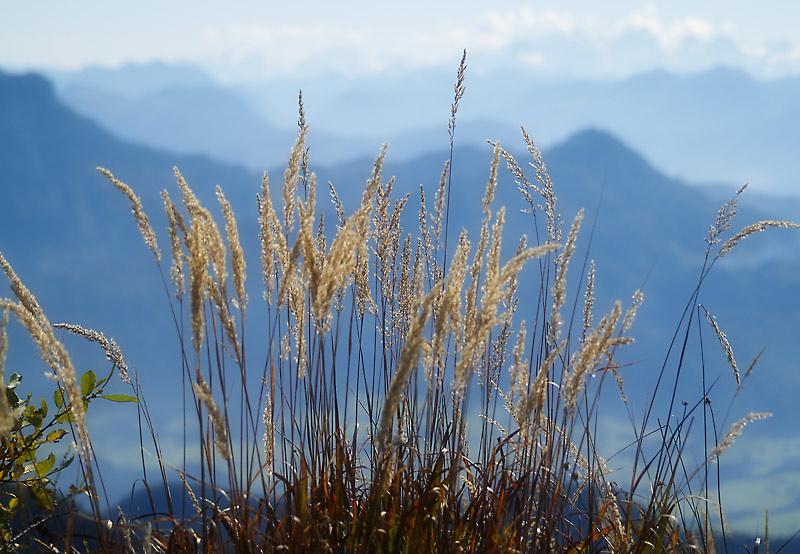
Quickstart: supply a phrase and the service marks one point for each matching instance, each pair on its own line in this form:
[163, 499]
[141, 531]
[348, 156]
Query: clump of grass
[402, 402]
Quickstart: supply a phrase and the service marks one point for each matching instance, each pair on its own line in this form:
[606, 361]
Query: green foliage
[28, 461]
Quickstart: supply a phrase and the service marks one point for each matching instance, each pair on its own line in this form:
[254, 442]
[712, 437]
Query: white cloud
[518, 22]
[787, 55]
[533, 59]
[745, 500]
[286, 48]
[350, 49]
[565, 40]
[765, 456]
[670, 35]
[579, 38]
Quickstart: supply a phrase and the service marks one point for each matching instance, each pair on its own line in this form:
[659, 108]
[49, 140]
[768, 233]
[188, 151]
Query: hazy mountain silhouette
[134, 80]
[716, 125]
[713, 126]
[188, 113]
[70, 236]
[186, 120]
[72, 240]
[50, 186]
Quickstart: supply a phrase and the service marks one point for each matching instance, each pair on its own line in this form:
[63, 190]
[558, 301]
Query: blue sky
[253, 40]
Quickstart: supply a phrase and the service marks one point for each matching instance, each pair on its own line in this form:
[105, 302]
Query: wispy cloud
[561, 41]
[251, 39]
[671, 35]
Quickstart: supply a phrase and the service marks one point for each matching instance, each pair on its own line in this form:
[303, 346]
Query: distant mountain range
[71, 238]
[185, 112]
[716, 126]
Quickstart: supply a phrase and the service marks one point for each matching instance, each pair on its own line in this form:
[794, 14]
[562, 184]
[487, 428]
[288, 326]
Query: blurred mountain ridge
[718, 125]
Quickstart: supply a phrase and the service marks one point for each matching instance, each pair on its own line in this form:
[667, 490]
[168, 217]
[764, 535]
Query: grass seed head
[138, 212]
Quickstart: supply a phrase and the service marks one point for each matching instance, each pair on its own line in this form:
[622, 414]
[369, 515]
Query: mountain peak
[596, 156]
[25, 85]
[595, 146]
[592, 137]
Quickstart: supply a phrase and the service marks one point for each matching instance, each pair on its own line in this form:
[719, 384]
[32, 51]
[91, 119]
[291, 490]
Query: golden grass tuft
[198, 277]
[235, 248]
[203, 392]
[176, 226]
[138, 212]
[109, 346]
[20, 290]
[754, 228]
[726, 346]
[735, 431]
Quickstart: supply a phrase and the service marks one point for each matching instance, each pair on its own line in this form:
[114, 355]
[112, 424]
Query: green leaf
[55, 435]
[13, 399]
[13, 381]
[88, 381]
[120, 398]
[58, 398]
[34, 417]
[42, 498]
[44, 467]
